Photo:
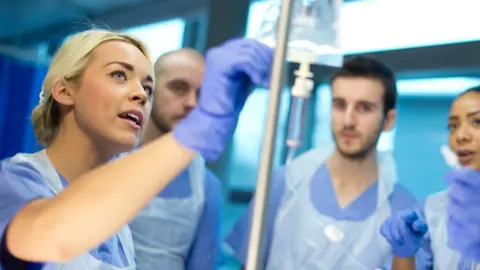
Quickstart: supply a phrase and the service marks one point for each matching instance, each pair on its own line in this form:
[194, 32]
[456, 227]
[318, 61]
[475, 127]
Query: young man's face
[358, 115]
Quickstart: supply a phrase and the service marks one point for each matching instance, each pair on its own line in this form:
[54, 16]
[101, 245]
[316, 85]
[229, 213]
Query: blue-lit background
[423, 104]
[378, 25]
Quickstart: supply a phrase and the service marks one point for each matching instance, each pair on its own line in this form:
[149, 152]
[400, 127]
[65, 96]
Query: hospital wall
[422, 130]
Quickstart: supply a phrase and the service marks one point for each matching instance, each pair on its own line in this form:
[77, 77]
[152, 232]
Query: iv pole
[262, 193]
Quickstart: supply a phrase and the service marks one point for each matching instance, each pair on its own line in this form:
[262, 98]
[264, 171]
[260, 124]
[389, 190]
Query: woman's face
[112, 103]
[464, 129]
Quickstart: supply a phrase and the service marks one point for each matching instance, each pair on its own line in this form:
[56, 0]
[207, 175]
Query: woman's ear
[62, 93]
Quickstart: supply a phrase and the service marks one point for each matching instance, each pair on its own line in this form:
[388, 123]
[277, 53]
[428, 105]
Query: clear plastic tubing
[298, 111]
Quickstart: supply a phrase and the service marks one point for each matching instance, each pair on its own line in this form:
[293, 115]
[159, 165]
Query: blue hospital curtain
[20, 84]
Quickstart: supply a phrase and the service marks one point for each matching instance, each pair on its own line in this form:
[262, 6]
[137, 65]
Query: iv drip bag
[314, 31]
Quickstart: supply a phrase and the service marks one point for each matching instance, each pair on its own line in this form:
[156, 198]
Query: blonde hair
[69, 64]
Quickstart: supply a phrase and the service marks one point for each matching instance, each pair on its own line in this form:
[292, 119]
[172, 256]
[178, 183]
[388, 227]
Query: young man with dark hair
[327, 205]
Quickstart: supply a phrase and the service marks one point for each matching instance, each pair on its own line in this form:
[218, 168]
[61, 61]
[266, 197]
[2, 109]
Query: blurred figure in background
[327, 205]
[451, 216]
[180, 227]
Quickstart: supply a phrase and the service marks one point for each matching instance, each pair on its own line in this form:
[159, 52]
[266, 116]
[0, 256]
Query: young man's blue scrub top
[324, 202]
[180, 228]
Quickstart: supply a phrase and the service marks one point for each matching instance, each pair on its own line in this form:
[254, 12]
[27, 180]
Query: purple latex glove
[404, 231]
[463, 226]
[232, 70]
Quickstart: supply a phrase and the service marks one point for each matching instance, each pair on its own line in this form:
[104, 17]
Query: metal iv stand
[262, 190]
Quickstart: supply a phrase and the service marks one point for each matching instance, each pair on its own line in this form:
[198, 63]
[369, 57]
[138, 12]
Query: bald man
[180, 228]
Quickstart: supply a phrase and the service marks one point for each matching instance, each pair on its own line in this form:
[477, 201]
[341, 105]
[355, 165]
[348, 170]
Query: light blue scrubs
[180, 228]
[435, 253]
[321, 196]
[22, 182]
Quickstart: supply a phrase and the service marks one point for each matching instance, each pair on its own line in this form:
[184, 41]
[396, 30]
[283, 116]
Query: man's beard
[161, 124]
[361, 154]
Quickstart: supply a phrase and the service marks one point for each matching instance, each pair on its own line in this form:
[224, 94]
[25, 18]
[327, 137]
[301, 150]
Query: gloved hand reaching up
[232, 70]
[404, 231]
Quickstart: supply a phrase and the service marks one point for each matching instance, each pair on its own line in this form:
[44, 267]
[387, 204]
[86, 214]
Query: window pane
[160, 37]
[376, 25]
[248, 139]
[436, 86]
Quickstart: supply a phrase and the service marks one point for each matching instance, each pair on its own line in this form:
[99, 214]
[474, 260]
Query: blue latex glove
[232, 70]
[404, 231]
[463, 225]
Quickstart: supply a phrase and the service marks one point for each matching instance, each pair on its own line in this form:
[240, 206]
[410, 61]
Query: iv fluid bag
[314, 29]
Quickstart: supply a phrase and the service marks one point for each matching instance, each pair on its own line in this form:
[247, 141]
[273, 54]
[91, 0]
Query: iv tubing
[255, 245]
[300, 92]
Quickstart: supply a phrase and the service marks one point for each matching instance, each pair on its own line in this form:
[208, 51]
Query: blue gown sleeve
[205, 250]
[238, 237]
[19, 185]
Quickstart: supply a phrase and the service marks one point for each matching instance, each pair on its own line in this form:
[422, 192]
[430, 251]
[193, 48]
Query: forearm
[96, 205]
[400, 263]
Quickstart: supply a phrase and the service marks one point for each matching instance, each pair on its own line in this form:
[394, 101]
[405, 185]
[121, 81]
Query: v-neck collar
[325, 200]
